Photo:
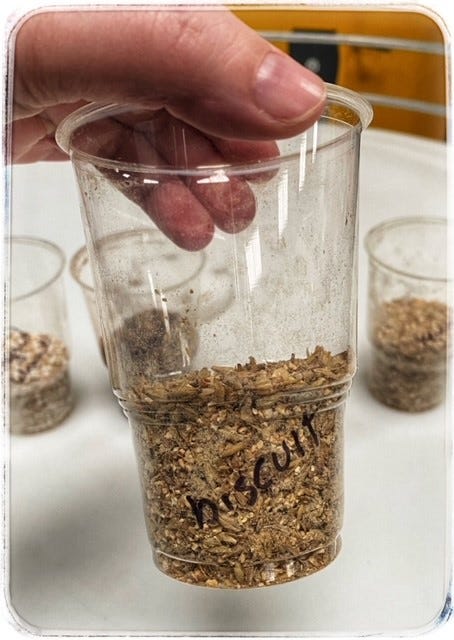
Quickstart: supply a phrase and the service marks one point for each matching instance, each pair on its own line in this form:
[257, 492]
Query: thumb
[205, 67]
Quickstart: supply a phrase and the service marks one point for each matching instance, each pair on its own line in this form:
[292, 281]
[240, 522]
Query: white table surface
[79, 558]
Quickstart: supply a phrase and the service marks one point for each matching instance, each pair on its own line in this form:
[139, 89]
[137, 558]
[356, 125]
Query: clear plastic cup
[409, 315]
[238, 415]
[38, 341]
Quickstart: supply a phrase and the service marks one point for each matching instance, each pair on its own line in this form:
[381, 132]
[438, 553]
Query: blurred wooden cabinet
[397, 58]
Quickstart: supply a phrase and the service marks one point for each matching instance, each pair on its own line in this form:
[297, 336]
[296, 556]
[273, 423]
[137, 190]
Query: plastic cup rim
[335, 95]
[45, 244]
[74, 264]
[83, 251]
[397, 222]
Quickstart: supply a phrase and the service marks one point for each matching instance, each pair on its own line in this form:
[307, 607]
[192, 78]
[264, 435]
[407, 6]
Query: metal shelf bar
[370, 42]
[430, 108]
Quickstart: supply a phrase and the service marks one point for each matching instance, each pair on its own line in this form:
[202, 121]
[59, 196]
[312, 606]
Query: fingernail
[285, 89]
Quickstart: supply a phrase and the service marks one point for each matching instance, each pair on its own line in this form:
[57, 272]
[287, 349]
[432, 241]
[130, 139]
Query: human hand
[204, 68]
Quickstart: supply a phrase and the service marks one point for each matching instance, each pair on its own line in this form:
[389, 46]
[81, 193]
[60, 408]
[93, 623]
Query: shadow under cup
[238, 422]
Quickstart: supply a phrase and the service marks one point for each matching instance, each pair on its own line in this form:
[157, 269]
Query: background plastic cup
[81, 272]
[138, 245]
[237, 416]
[409, 318]
[40, 388]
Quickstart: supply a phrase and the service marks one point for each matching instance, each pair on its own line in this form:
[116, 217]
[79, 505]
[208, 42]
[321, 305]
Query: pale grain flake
[238, 572]
[231, 449]
[410, 339]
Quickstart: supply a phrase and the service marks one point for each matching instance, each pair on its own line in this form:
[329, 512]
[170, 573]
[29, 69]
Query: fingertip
[231, 202]
[180, 216]
[287, 91]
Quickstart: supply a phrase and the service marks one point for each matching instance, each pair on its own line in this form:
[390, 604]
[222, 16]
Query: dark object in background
[322, 59]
